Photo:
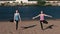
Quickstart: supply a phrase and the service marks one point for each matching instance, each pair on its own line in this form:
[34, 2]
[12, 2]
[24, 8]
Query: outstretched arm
[48, 15]
[36, 16]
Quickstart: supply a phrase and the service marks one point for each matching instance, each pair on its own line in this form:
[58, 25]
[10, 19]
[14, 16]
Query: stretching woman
[42, 18]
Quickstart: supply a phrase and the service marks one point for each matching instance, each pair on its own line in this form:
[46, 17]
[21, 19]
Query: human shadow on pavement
[30, 26]
[49, 27]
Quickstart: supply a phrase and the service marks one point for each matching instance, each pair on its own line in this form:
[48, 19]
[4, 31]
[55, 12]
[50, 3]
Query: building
[24, 1]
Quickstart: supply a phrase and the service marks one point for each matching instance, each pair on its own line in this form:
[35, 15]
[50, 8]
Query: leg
[44, 21]
[16, 25]
[41, 25]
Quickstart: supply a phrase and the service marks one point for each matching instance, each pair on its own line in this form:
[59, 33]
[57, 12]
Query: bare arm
[20, 17]
[48, 15]
[36, 16]
[14, 16]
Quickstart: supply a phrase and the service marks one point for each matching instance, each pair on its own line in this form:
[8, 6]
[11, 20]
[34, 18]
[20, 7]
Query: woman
[17, 18]
[42, 18]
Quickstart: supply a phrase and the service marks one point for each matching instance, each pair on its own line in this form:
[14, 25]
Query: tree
[41, 2]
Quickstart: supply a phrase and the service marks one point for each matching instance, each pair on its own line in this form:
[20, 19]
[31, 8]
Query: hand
[33, 18]
[51, 16]
[15, 22]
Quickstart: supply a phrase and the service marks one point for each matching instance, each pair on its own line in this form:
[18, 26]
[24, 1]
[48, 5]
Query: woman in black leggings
[17, 18]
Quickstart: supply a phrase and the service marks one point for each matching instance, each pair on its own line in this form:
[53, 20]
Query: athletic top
[41, 16]
[16, 16]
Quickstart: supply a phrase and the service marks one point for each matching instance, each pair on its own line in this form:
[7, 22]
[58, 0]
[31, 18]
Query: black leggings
[44, 21]
[16, 24]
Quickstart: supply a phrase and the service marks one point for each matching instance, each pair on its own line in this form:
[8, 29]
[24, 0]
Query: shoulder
[18, 14]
